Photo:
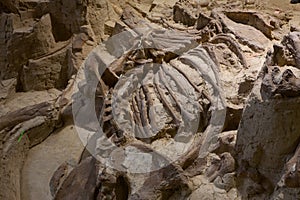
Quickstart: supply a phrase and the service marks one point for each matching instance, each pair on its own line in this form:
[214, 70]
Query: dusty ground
[45, 158]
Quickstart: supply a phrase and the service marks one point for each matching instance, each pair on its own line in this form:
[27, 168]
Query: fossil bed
[149, 99]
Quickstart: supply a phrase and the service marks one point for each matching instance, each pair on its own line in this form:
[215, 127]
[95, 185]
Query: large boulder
[269, 131]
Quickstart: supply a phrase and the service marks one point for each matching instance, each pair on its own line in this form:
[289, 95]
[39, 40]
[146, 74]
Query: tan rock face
[268, 133]
[38, 31]
[47, 72]
[29, 42]
[6, 32]
[39, 51]
[179, 106]
[67, 17]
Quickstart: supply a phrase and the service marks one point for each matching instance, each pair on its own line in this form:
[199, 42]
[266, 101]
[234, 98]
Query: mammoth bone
[156, 113]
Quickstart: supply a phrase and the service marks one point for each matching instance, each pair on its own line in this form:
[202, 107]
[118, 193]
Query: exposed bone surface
[148, 99]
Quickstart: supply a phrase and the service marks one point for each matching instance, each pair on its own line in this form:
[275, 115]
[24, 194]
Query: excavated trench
[52, 159]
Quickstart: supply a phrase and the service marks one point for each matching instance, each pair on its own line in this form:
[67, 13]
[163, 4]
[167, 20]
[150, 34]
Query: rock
[285, 193]
[31, 42]
[282, 56]
[260, 155]
[79, 41]
[113, 186]
[220, 166]
[47, 72]
[20, 100]
[62, 146]
[108, 27]
[276, 96]
[208, 190]
[170, 3]
[98, 13]
[204, 192]
[184, 13]
[67, 17]
[235, 74]
[8, 88]
[11, 6]
[288, 53]
[226, 143]
[82, 181]
[59, 177]
[244, 33]
[227, 182]
[202, 3]
[292, 43]
[88, 31]
[40, 120]
[175, 181]
[202, 21]
[290, 177]
[249, 2]
[264, 23]
[11, 164]
[31, 38]
[284, 83]
[6, 31]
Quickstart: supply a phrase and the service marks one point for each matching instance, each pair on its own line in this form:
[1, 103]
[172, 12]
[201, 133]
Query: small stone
[202, 3]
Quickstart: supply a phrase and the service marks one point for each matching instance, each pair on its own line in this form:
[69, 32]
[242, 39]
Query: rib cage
[157, 101]
[166, 99]
[162, 100]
